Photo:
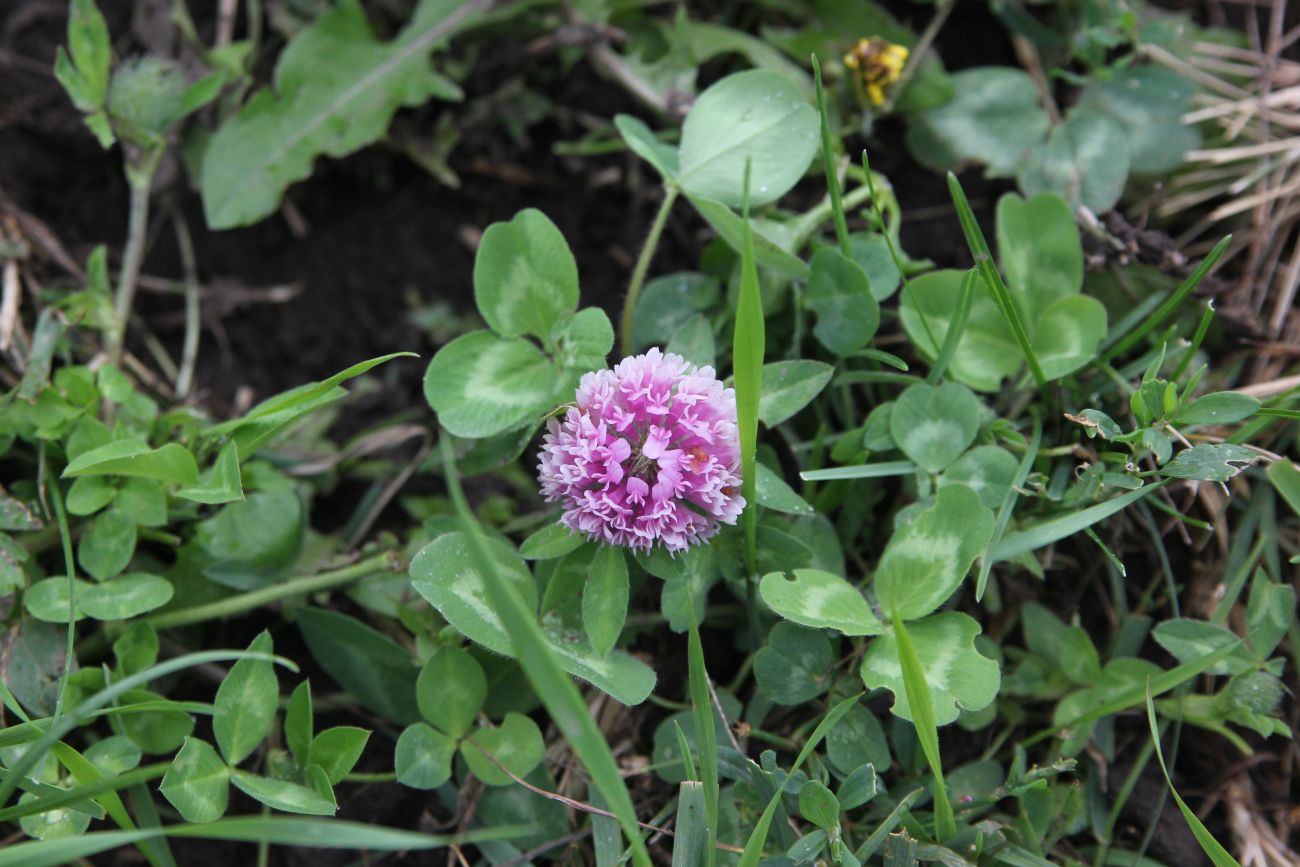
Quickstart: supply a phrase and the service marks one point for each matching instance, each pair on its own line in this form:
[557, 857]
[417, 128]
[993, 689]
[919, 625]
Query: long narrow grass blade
[1161, 313]
[927, 732]
[549, 681]
[1009, 505]
[77, 799]
[1202, 328]
[70, 720]
[979, 249]
[955, 328]
[877, 838]
[828, 164]
[1212, 848]
[1046, 532]
[279, 830]
[758, 837]
[706, 736]
[748, 348]
[693, 835]
[1158, 685]
[860, 471]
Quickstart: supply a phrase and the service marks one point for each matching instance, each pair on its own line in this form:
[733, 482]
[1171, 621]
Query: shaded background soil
[373, 237]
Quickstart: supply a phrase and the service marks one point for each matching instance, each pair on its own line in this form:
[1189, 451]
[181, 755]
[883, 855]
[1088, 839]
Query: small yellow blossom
[877, 63]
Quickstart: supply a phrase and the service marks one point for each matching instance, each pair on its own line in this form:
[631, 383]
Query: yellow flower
[877, 63]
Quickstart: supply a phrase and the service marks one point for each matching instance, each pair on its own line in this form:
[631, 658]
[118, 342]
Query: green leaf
[132, 457]
[691, 827]
[47, 599]
[284, 795]
[1211, 462]
[986, 470]
[756, 118]
[197, 783]
[819, 805]
[642, 141]
[89, 494]
[377, 672]
[789, 386]
[1269, 614]
[125, 596]
[451, 690]
[90, 47]
[772, 492]
[336, 751]
[336, 90]
[1034, 536]
[795, 665]
[254, 540]
[856, 740]
[516, 744]
[1085, 160]
[986, 353]
[957, 674]
[525, 278]
[1148, 102]
[107, 549]
[994, 118]
[1039, 250]
[220, 484]
[423, 757]
[694, 342]
[1067, 335]
[918, 696]
[1188, 640]
[551, 542]
[443, 572]
[245, 704]
[926, 560]
[840, 294]
[481, 384]
[731, 229]
[1220, 407]
[820, 600]
[584, 340]
[667, 303]
[604, 599]
[143, 500]
[934, 425]
[299, 723]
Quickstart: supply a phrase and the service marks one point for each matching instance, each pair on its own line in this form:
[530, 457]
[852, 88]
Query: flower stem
[141, 179]
[265, 595]
[643, 266]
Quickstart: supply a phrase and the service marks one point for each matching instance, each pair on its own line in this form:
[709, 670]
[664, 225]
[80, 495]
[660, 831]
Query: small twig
[193, 310]
[141, 178]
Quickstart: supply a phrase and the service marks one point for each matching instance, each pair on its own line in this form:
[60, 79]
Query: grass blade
[979, 249]
[748, 349]
[828, 163]
[693, 835]
[1212, 848]
[1009, 505]
[1046, 532]
[860, 471]
[927, 733]
[877, 839]
[955, 328]
[758, 837]
[548, 678]
[1161, 313]
[706, 735]
[282, 830]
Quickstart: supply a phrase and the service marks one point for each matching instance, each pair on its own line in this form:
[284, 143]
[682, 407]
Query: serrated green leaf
[245, 705]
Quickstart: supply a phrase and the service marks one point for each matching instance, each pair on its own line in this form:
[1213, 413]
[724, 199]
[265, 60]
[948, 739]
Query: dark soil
[378, 237]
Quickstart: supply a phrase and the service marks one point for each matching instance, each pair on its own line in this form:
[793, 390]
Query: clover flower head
[647, 454]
